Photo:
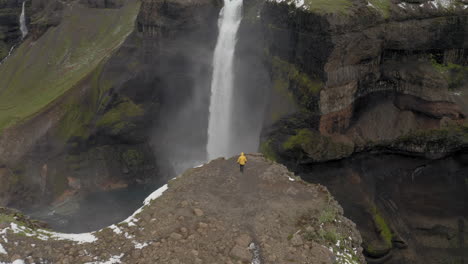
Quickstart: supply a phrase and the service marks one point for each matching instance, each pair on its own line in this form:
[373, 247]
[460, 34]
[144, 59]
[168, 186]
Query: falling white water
[23, 27]
[220, 122]
[9, 53]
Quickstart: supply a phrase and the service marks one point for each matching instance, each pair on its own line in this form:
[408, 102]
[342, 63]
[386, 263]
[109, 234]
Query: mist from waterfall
[22, 20]
[220, 127]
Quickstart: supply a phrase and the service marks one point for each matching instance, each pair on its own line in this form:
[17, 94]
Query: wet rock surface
[420, 203]
[211, 214]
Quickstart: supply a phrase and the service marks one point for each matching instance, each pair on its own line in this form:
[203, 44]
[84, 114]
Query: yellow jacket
[242, 160]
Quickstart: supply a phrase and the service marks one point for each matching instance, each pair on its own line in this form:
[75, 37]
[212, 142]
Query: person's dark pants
[242, 168]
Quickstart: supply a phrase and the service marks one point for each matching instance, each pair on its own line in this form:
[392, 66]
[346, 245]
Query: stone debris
[251, 219]
[198, 212]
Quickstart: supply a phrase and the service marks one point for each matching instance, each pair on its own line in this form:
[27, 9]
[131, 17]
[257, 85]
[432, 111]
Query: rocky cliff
[102, 75]
[336, 78]
[209, 214]
[360, 75]
[103, 94]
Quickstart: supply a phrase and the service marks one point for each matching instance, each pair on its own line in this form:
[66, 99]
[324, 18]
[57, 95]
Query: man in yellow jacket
[242, 160]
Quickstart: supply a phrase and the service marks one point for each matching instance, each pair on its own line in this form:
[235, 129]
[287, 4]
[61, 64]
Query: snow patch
[116, 229]
[80, 238]
[291, 179]
[46, 235]
[256, 253]
[128, 236]
[403, 5]
[431, 4]
[444, 3]
[297, 3]
[139, 245]
[344, 255]
[156, 194]
[2, 250]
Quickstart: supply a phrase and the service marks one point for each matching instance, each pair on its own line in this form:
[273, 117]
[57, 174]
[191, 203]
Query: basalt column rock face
[373, 76]
[366, 75]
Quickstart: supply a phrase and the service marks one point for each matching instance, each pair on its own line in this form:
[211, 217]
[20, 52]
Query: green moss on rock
[296, 85]
[329, 6]
[266, 148]
[383, 6]
[118, 117]
[455, 74]
[36, 75]
[325, 6]
[133, 158]
[382, 227]
[312, 145]
[435, 141]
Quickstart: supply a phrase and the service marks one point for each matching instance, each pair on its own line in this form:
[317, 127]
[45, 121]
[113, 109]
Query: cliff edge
[210, 214]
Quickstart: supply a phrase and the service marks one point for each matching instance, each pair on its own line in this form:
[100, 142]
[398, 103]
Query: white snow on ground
[297, 3]
[46, 235]
[256, 253]
[444, 3]
[291, 179]
[344, 256]
[139, 245]
[116, 229]
[403, 5]
[148, 199]
[370, 4]
[432, 4]
[2, 250]
[79, 238]
[112, 260]
[84, 237]
[128, 236]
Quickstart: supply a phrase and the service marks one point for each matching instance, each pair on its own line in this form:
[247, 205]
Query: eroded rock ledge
[211, 214]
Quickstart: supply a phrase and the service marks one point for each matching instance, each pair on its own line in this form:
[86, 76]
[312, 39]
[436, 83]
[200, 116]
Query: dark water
[93, 211]
[424, 202]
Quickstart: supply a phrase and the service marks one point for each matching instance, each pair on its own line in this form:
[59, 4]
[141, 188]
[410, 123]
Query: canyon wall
[361, 75]
[84, 97]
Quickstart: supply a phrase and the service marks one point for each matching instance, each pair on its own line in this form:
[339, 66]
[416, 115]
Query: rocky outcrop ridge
[209, 214]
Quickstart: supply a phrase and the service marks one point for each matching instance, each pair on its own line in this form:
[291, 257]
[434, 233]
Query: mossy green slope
[40, 72]
[325, 6]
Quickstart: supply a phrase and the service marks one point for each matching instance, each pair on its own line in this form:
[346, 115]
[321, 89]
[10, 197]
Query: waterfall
[220, 128]
[9, 53]
[23, 28]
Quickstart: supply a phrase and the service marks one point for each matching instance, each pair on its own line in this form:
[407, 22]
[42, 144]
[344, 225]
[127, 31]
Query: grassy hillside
[40, 72]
